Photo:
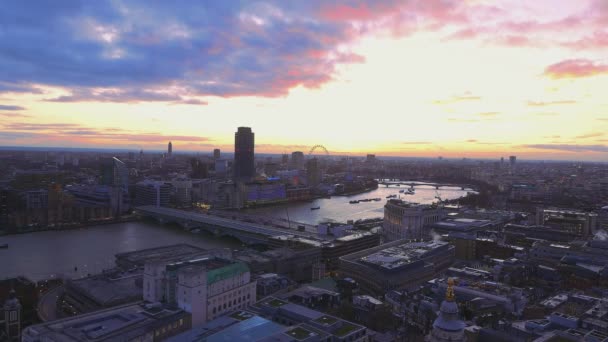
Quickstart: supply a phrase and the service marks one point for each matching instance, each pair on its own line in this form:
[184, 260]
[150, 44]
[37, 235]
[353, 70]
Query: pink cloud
[575, 68]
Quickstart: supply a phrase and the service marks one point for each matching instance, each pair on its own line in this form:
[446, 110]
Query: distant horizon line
[126, 150]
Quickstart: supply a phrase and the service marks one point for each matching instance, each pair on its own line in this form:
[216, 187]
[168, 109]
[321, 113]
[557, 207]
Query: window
[214, 310]
[13, 316]
[181, 322]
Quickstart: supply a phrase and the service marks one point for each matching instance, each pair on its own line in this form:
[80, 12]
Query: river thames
[50, 254]
[338, 208]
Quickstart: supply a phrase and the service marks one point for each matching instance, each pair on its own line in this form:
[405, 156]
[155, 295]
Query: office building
[313, 172]
[181, 192]
[297, 160]
[259, 193]
[137, 259]
[244, 143]
[131, 322]
[114, 173]
[310, 325]
[216, 153]
[403, 220]
[105, 290]
[579, 223]
[170, 149]
[93, 202]
[512, 160]
[151, 192]
[206, 287]
[401, 264]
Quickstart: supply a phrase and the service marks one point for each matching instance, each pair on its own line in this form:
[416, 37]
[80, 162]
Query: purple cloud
[8, 107]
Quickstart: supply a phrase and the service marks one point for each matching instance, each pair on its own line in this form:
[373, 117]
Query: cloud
[416, 143]
[7, 107]
[191, 102]
[163, 51]
[467, 96]
[590, 135]
[85, 95]
[13, 115]
[575, 68]
[471, 140]
[75, 133]
[569, 147]
[463, 120]
[549, 103]
[488, 114]
[224, 48]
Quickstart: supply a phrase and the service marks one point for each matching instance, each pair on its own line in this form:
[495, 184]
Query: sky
[452, 78]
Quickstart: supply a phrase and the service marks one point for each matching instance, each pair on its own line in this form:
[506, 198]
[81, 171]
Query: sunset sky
[454, 78]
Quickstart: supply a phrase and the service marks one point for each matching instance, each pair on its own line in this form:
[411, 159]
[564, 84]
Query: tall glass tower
[244, 168]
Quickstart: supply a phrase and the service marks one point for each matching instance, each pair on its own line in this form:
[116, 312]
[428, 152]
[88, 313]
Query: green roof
[299, 333]
[276, 302]
[345, 329]
[326, 320]
[228, 271]
[241, 315]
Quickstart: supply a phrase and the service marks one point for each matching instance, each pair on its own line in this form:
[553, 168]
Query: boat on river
[315, 208]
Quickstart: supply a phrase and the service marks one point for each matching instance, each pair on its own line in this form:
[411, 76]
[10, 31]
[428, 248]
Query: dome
[449, 308]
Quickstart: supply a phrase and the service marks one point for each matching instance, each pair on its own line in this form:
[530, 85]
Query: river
[338, 208]
[49, 254]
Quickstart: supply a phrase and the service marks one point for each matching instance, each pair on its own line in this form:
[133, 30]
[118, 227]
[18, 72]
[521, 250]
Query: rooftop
[405, 204]
[109, 289]
[159, 253]
[127, 321]
[397, 256]
[239, 326]
[300, 333]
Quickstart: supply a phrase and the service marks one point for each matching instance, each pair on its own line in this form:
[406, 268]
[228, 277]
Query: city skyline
[471, 79]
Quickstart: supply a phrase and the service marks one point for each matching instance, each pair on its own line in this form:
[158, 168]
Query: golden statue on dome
[449, 294]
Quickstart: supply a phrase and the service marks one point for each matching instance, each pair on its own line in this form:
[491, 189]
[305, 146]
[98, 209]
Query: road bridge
[247, 232]
[415, 184]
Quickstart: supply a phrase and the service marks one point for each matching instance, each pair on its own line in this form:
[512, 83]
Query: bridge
[245, 231]
[415, 184]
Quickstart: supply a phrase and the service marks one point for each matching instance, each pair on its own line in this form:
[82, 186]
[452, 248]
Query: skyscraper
[297, 160]
[170, 149]
[216, 153]
[313, 173]
[115, 173]
[244, 168]
[512, 160]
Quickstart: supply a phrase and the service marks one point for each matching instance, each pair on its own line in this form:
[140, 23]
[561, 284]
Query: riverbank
[131, 218]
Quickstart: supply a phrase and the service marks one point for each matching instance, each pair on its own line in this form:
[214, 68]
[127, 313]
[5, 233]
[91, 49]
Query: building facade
[244, 143]
[152, 193]
[206, 287]
[403, 220]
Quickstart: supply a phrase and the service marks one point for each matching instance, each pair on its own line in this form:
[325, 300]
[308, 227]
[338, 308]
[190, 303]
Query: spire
[449, 293]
